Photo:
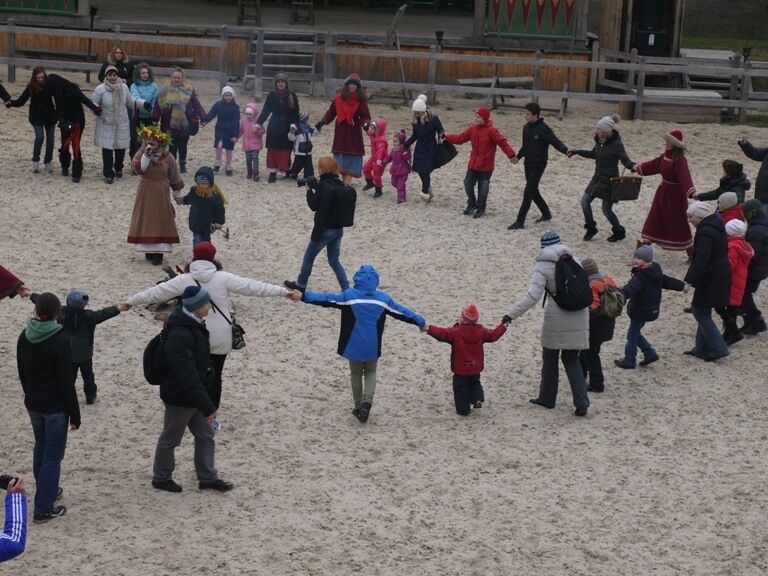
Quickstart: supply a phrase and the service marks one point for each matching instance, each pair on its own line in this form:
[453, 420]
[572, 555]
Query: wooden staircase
[293, 53]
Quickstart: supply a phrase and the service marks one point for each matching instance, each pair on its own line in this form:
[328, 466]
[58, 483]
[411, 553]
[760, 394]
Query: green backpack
[612, 301]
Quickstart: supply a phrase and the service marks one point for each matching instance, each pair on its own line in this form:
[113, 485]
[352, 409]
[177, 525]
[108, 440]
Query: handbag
[445, 153]
[238, 333]
[625, 188]
[193, 127]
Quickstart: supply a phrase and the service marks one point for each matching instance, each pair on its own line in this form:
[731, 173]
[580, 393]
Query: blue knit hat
[195, 297]
[77, 300]
[550, 238]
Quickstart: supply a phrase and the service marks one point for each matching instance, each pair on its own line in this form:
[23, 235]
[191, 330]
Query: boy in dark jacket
[601, 327]
[186, 394]
[206, 201]
[467, 359]
[757, 236]
[643, 292]
[537, 138]
[227, 129]
[758, 155]
[733, 180]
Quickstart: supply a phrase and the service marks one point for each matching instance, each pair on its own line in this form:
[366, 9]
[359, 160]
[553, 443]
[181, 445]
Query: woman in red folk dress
[667, 223]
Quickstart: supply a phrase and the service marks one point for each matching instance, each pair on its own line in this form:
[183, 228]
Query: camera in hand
[308, 182]
[5, 480]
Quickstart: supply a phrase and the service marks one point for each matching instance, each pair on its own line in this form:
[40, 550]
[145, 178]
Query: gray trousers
[550, 377]
[176, 420]
[360, 371]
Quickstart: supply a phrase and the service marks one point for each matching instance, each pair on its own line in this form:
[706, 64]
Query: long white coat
[113, 127]
[562, 329]
[220, 285]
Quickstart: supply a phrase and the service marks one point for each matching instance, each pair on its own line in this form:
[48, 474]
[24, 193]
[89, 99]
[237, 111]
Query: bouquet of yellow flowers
[146, 133]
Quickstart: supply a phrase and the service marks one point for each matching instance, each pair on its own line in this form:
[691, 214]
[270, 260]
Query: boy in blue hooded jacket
[363, 312]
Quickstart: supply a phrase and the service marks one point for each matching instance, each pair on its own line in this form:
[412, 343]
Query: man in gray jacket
[564, 332]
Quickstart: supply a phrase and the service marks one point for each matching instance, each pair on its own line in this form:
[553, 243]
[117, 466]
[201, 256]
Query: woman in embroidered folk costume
[667, 223]
[153, 228]
[350, 109]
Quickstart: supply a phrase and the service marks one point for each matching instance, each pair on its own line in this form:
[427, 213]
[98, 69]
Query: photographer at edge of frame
[14, 536]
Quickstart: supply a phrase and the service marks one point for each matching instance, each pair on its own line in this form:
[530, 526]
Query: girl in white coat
[206, 272]
[113, 127]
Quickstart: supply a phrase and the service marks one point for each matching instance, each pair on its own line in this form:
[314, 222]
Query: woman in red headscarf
[667, 223]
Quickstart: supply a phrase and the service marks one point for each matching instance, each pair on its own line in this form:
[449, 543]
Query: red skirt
[279, 159]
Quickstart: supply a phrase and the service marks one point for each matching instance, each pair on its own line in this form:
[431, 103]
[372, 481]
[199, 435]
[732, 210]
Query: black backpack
[345, 201]
[155, 364]
[572, 289]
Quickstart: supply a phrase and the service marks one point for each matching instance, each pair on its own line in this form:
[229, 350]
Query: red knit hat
[204, 251]
[484, 113]
[470, 315]
[675, 138]
[354, 78]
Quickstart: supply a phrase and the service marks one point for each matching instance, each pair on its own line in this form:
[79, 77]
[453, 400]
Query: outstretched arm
[14, 536]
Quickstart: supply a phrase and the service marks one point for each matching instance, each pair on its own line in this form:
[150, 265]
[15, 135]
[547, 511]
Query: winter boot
[183, 167]
[77, 169]
[35, 167]
[49, 168]
[377, 193]
[65, 158]
[590, 233]
[365, 411]
[754, 328]
[618, 234]
[229, 171]
[249, 172]
[272, 178]
[368, 184]
[256, 177]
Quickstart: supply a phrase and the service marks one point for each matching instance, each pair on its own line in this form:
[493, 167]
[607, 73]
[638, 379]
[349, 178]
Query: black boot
[590, 233]
[469, 209]
[368, 184]
[482, 200]
[65, 158]
[618, 234]
[365, 411]
[249, 172]
[183, 167]
[272, 178]
[377, 193]
[754, 328]
[77, 169]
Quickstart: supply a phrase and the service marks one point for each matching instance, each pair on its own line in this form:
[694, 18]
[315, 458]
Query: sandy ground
[665, 476]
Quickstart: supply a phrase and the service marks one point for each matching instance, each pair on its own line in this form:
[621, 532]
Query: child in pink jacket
[372, 170]
[253, 140]
[400, 157]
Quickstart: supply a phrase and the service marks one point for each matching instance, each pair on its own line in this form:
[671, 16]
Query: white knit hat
[735, 227]
[228, 89]
[608, 123]
[420, 104]
[699, 209]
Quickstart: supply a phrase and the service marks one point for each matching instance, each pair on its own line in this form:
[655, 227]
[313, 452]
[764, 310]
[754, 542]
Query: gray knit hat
[644, 253]
[590, 266]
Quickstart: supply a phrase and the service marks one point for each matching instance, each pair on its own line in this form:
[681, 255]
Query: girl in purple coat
[400, 157]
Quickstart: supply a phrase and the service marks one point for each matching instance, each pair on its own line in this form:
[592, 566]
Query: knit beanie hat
[109, 69]
[549, 238]
[401, 136]
[675, 138]
[608, 123]
[699, 209]
[195, 297]
[420, 104]
[735, 227]
[469, 315]
[77, 300]
[590, 266]
[253, 107]
[752, 209]
[644, 253]
[303, 117]
[228, 89]
[204, 176]
[727, 200]
[354, 78]
[204, 251]
[484, 113]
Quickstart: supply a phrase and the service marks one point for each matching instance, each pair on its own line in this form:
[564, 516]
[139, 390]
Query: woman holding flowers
[153, 228]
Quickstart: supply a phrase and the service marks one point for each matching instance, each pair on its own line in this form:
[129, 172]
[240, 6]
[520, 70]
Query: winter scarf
[118, 96]
[209, 193]
[178, 97]
[40, 330]
[346, 109]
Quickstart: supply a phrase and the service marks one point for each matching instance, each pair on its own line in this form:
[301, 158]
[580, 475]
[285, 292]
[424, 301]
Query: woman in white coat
[564, 332]
[113, 127]
[205, 271]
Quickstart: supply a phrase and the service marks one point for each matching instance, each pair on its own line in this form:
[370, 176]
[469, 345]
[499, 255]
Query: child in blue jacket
[363, 312]
[207, 212]
[227, 129]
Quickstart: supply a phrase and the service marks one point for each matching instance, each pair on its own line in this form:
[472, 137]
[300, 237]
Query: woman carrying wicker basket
[667, 222]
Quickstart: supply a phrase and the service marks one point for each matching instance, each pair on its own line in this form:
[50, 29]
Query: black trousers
[217, 363]
[533, 174]
[303, 162]
[113, 161]
[550, 377]
[466, 391]
[179, 149]
[86, 370]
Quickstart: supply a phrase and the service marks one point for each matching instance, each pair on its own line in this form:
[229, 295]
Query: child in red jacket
[372, 170]
[466, 339]
[740, 254]
[485, 137]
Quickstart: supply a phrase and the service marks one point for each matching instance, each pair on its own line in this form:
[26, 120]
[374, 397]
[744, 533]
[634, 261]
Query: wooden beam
[677, 33]
[610, 23]
[478, 29]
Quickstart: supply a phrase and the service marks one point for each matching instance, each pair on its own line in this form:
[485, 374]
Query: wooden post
[628, 30]
[536, 76]
[631, 73]
[610, 24]
[733, 93]
[746, 87]
[329, 67]
[431, 75]
[11, 49]
[594, 73]
[117, 35]
[478, 29]
[678, 28]
[223, 48]
[640, 90]
[258, 69]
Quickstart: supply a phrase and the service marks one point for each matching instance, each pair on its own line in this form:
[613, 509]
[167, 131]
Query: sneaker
[256, 177]
[624, 363]
[544, 219]
[469, 209]
[183, 167]
[580, 412]
[216, 425]
[218, 485]
[49, 168]
[378, 193]
[516, 226]
[118, 173]
[216, 168]
[368, 185]
[365, 411]
[356, 412]
[596, 389]
[616, 236]
[59, 494]
[166, 485]
[291, 285]
[56, 512]
[425, 197]
[649, 360]
[109, 180]
[36, 167]
[229, 171]
[479, 214]
[540, 403]
[477, 405]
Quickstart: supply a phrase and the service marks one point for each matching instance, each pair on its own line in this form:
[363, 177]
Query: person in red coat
[740, 254]
[350, 109]
[485, 137]
[466, 339]
[10, 285]
[667, 223]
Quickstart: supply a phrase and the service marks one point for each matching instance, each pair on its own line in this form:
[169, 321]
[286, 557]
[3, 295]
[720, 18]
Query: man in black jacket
[757, 236]
[333, 203]
[537, 138]
[185, 392]
[758, 155]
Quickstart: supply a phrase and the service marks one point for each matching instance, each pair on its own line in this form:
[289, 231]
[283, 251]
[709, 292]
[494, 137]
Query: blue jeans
[50, 441]
[198, 237]
[483, 181]
[330, 239]
[634, 340]
[610, 215]
[47, 132]
[709, 341]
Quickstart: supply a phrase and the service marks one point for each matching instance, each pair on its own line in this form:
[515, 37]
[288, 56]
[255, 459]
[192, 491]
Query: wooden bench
[57, 54]
[682, 112]
[303, 10]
